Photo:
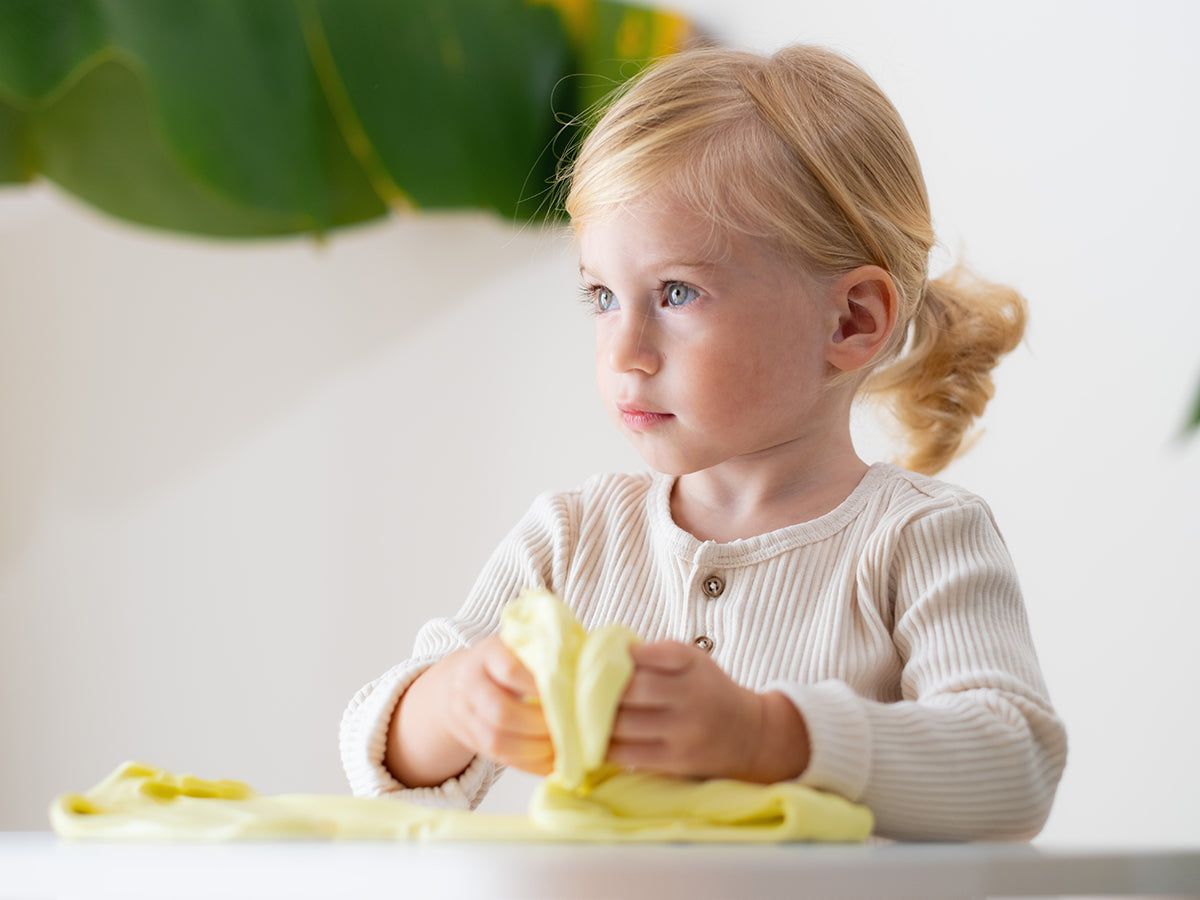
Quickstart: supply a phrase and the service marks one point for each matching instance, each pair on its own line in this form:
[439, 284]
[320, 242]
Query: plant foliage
[269, 117]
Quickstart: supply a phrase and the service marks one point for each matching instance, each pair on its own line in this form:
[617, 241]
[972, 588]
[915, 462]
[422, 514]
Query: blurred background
[237, 475]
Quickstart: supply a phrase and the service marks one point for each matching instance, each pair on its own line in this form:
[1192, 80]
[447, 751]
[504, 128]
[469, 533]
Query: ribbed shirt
[894, 623]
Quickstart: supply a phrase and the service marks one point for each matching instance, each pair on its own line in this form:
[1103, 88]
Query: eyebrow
[698, 266]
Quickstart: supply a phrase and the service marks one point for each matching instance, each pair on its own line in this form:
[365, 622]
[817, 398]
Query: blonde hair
[802, 149]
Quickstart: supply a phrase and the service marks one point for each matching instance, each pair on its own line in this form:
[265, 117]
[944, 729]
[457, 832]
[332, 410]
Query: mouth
[641, 419]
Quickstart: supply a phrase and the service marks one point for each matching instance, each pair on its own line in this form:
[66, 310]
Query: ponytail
[942, 381]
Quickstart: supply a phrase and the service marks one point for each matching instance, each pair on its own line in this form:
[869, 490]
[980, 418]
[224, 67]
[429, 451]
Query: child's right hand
[476, 701]
[492, 708]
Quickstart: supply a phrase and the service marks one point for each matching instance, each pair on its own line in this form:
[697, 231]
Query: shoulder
[595, 525]
[901, 489]
[600, 496]
[905, 499]
[604, 490]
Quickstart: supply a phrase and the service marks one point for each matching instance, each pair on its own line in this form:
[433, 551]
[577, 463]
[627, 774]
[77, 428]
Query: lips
[639, 419]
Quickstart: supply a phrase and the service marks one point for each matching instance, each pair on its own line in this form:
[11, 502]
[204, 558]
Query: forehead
[658, 228]
[660, 237]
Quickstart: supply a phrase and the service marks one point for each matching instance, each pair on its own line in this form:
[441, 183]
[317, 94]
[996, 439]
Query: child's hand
[473, 702]
[491, 707]
[682, 715]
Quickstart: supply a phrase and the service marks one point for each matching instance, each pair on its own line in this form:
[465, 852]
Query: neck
[746, 497]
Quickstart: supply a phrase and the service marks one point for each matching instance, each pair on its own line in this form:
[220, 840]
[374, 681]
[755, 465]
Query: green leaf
[454, 98]
[249, 117]
[99, 142]
[234, 93]
[349, 194]
[216, 124]
[15, 165]
[43, 42]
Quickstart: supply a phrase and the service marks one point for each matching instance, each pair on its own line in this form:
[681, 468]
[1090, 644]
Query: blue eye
[605, 299]
[679, 294]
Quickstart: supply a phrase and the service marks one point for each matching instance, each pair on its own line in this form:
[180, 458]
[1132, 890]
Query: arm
[972, 748]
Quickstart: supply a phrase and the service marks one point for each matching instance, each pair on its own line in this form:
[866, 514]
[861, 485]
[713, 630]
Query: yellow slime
[580, 678]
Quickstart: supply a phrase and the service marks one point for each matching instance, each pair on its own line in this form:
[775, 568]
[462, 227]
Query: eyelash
[588, 292]
[587, 296]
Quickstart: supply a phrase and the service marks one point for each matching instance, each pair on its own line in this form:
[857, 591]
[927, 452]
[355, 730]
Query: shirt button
[714, 586]
[704, 642]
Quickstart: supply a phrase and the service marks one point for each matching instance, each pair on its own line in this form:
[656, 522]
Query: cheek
[605, 380]
[723, 387]
[751, 387]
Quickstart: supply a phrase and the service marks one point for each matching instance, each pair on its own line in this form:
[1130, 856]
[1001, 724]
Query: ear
[866, 305]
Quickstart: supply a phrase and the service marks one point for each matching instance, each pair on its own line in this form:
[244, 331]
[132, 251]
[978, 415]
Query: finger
[535, 767]
[663, 656]
[650, 689]
[670, 674]
[638, 725]
[651, 755]
[503, 667]
[528, 754]
[493, 723]
[503, 713]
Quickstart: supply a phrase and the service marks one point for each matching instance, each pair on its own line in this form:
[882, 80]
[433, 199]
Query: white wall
[235, 478]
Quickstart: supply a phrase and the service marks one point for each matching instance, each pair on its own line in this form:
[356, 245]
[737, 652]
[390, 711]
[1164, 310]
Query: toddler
[754, 236]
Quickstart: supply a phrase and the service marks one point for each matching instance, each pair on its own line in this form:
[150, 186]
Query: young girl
[754, 237]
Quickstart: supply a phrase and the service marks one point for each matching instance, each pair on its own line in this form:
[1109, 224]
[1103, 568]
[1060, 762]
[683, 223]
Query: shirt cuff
[839, 736]
[364, 734]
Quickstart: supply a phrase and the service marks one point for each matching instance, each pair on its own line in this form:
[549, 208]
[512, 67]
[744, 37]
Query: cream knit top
[894, 623]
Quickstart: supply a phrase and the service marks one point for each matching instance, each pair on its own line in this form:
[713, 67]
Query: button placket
[711, 586]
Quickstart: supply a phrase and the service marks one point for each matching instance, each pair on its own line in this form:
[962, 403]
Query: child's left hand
[682, 715]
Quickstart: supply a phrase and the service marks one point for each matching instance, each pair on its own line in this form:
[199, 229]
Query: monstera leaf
[270, 117]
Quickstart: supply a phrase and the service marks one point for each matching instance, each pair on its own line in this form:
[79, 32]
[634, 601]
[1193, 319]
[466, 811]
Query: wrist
[420, 751]
[782, 740]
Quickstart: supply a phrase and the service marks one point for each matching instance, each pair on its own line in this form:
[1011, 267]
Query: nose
[630, 344]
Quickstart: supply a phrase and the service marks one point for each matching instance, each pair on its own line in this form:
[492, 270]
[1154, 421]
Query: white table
[40, 865]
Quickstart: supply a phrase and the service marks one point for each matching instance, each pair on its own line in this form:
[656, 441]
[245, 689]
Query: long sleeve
[972, 749]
